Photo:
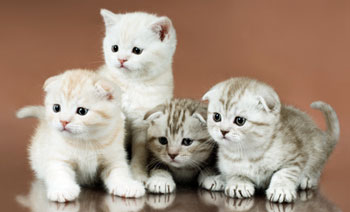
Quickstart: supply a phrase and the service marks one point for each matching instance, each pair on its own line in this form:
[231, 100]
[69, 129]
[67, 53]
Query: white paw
[125, 187]
[240, 190]
[139, 175]
[162, 185]
[281, 194]
[64, 193]
[212, 183]
[307, 183]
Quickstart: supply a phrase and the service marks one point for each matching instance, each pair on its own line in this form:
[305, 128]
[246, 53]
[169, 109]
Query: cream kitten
[264, 144]
[138, 50]
[180, 146]
[80, 137]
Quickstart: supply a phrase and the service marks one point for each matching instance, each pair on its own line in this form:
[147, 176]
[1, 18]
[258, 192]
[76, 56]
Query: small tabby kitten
[265, 144]
[138, 48]
[180, 146]
[80, 137]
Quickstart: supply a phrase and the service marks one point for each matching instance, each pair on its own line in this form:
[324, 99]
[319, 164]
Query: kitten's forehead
[75, 84]
[178, 113]
[233, 91]
[131, 25]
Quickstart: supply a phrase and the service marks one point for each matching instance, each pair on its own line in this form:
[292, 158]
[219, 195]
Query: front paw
[281, 194]
[162, 185]
[212, 183]
[63, 193]
[140, 176]
[240, 190]
[125, 188]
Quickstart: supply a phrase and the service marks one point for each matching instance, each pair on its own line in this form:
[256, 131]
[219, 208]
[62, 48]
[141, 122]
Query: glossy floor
[183, 200]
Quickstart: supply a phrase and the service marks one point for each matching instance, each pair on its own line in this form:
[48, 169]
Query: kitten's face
[137, 44]
[80, 105]
[179, 138]
[241, 114]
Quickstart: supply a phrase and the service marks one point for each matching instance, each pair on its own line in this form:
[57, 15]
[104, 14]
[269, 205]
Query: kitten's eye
[217, 117]
[187, 141]
[240, 121]
[163, 140]
[82, 111]
[56, 108]
[115, 48]
[136, 50]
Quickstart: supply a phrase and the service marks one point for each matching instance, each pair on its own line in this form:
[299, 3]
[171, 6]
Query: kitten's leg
[283, 185]
[139, 154]
[118, 179]
[239, 187]
[309, 181]
[210, 180]
[160, 181]
[60, 181]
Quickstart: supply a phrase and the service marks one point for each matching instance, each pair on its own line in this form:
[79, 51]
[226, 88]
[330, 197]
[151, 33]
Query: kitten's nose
[223, 132]
[122, 61]
[173, 156]
[64, 123]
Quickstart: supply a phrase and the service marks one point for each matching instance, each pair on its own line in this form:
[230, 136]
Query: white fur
[89, 147]
[146, 80]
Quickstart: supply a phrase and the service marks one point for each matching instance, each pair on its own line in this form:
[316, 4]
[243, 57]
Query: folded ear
[201, 114]
[106, 89]
[208, 95]
[155, 113]
[109, 17]
[269, 100]
[162, 27]
[51, 82]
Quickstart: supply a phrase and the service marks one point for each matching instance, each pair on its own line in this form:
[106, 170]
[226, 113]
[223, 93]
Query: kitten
[80, 137]
[138, 50]
[180, 146]
[264, 144]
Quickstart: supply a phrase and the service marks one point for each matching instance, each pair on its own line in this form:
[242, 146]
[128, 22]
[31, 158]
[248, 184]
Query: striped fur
[279, 147]
[176, 120]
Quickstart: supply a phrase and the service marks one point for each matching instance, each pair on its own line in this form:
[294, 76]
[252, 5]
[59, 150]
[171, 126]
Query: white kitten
[138, 50]
[265, 144]
[80, 138]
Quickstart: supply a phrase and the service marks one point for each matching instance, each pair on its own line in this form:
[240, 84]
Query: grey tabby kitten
[181, 149]
[265, 144]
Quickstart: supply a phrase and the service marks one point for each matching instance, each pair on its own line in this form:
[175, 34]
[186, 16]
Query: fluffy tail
[333, 129]
[31, 111]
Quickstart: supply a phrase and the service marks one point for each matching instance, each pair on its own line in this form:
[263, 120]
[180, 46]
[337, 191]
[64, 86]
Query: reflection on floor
[183, 200]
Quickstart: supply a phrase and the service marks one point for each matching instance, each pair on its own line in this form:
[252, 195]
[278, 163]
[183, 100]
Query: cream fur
[146, 80]
[90, 147]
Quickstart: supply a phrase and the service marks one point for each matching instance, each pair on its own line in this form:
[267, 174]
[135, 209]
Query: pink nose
[64, 123]
[224, 132]
[122, 61]
[173, 156]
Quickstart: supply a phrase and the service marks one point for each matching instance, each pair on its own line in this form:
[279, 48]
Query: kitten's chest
[258, 172]
[86, 167]
[184, 175]
[137, 100]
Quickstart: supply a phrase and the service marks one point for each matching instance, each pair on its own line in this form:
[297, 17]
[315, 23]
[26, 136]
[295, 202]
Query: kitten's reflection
[89, 200]
[308, 201]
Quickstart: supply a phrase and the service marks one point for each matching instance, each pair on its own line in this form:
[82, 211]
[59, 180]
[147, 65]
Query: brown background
[300, 47]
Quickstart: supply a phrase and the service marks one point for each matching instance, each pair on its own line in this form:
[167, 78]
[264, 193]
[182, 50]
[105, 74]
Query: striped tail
[31, 112]
[333, 129]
